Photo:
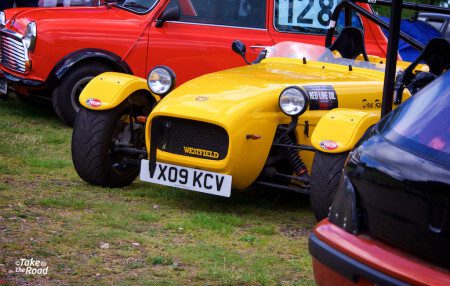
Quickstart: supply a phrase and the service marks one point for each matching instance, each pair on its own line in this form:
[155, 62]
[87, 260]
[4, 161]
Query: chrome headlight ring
[161, 80]
[2, 19]
[293, 101]
[30, 36]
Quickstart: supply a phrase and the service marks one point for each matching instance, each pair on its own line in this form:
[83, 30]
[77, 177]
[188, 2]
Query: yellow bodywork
[344, 127]
[244, 101]
[110, 89]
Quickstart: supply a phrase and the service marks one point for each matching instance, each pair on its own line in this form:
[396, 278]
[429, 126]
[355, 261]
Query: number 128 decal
[305, 13]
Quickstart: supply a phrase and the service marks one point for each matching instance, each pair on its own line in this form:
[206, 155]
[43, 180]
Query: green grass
[156, 235]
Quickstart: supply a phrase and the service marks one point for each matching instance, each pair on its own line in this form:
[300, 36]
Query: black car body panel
[401, 173]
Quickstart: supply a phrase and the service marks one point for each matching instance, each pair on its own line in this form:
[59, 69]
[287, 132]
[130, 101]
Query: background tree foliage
[407, 13]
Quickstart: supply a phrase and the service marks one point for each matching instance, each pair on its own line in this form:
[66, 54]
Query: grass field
[156, 235]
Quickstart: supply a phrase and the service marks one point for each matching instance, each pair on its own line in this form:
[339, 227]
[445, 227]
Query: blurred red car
[54, 52]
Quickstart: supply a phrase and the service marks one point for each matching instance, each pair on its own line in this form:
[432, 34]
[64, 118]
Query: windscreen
[422, 124]
[139, 6]
[67, 3]
[310, 52]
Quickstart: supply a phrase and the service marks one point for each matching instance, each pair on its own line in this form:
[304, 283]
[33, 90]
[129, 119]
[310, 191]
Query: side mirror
[171, 14]
[239, 48]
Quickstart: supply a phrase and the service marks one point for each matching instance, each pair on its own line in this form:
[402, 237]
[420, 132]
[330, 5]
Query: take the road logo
[31, 266]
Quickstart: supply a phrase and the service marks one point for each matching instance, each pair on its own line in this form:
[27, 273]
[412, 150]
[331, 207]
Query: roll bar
[394, 35]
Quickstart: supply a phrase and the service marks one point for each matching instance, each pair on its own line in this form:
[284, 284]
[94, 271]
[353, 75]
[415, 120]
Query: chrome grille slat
[13, 41]
[15, 62]
[12, 45]
[12, 52]
[13, 55]
[9, 58]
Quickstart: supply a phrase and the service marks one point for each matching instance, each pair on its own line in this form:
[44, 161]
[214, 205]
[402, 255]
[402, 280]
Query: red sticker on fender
[93, 102]
[328, 145]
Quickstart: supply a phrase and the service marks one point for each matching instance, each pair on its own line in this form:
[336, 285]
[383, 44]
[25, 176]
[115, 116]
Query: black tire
[65, 96]
[93, 137]
[324, 181]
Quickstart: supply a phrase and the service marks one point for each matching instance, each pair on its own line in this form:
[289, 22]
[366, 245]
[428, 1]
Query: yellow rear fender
[110, 89]
[341, 128]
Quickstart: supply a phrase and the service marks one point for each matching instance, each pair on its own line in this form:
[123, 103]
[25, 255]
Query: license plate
[187, 178]
[3, 86]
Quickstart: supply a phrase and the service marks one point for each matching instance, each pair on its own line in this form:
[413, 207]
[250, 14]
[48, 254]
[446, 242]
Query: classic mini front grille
[190, 138]
[12, 52]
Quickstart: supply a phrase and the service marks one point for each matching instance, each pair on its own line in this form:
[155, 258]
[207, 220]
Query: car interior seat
[436, 55]
[350, 43]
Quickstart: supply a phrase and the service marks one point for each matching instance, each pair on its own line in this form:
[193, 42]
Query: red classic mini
[54, 52]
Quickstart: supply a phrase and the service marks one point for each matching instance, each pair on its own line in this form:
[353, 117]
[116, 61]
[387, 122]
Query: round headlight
[293, 101]
[30, 36]
[161, 80]
[2, 19]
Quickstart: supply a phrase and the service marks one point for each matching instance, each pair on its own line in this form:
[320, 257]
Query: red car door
[200, 42]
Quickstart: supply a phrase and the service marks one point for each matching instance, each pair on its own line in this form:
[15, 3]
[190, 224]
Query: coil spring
[293, 158]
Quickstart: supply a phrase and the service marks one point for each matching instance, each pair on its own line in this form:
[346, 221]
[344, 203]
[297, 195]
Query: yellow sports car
[287, 121]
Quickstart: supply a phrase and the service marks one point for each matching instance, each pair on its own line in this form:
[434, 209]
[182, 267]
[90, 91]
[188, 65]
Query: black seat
[350, 43]
[436, 56]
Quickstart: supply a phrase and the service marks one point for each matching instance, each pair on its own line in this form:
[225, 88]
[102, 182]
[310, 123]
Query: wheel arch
[340, 129]
[84, 56]
[110, 89]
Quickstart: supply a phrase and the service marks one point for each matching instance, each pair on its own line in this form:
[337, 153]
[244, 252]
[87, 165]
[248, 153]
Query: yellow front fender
[110, 89]
[341, 128]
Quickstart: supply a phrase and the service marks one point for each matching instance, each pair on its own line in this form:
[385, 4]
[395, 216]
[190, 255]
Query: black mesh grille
[190, 138]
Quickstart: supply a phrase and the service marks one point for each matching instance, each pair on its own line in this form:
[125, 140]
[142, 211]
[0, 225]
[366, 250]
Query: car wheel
[97, 137]
[65, 96]
[324, 181]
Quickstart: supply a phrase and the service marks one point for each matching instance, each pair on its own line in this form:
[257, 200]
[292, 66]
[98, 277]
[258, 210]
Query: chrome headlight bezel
[2, 19]
[161, 80]
[29, 38]
[294, 92]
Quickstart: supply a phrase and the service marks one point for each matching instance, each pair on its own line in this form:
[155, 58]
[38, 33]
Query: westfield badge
[201, 152]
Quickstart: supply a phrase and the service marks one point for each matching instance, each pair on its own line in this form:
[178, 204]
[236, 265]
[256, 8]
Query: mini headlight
[2, 19]
[30, 36]
[293, 101]
[161, 80]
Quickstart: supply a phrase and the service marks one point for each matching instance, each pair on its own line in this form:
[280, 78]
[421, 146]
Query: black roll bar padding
[348, 16]
[348, 4]
[391, 58]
